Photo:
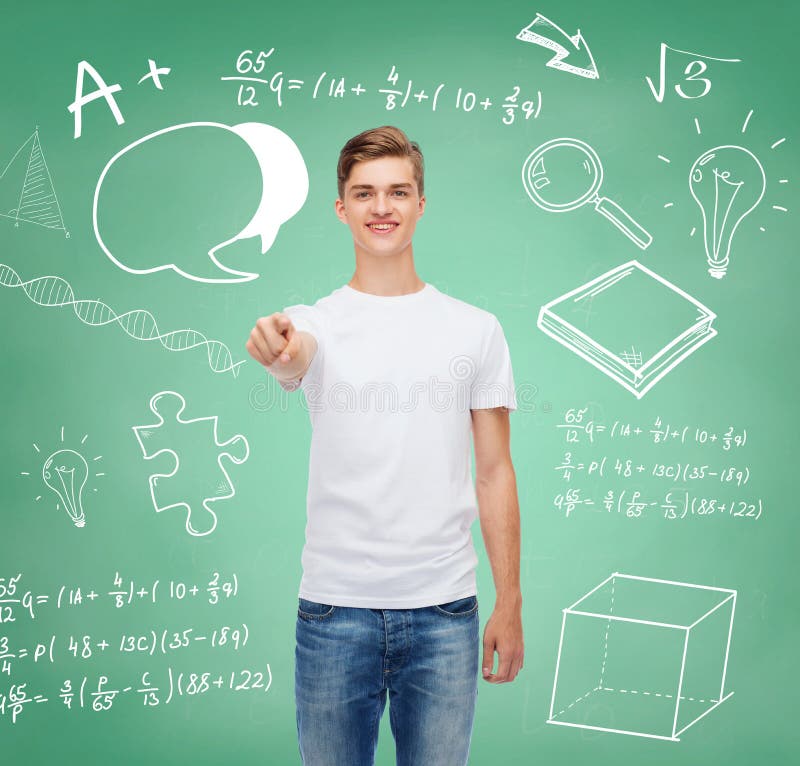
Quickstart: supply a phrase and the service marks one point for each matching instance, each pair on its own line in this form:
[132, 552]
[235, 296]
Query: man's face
[381, 205]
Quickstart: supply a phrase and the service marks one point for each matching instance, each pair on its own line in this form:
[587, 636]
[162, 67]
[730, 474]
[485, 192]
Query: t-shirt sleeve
[493, 385]
[306, 319]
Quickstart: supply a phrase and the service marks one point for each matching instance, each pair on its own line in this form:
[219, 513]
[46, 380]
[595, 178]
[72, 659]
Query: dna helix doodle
[139, 324]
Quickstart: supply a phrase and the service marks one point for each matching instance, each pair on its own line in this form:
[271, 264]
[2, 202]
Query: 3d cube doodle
[643, 656]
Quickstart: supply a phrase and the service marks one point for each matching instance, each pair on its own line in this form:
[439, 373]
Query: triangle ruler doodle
[27, 193]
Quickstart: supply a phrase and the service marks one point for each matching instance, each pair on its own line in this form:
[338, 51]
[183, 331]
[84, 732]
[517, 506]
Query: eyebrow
[370, 186]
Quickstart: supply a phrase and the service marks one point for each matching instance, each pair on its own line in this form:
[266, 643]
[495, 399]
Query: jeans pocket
[313, 610]
[462, 607]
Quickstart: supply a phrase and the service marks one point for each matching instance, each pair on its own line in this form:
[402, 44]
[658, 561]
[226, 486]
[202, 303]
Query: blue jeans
[347, 658]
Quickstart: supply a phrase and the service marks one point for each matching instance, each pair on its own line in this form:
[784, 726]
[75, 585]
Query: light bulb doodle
[727, 182]
[565, 174]
[66, 472]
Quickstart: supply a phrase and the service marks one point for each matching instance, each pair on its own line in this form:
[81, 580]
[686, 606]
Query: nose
[382, 203]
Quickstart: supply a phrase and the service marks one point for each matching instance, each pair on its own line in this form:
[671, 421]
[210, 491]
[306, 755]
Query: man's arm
[498, 506]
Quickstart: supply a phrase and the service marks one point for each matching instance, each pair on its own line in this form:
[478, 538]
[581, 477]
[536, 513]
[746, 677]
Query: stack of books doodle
[630, 323]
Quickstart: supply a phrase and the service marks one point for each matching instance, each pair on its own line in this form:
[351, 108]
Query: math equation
[665, 468]
[119, 648]
[257, 79]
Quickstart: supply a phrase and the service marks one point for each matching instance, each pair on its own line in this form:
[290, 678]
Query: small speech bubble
[175, 195]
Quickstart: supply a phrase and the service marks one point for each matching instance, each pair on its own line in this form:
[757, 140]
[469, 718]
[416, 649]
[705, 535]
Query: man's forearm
[498, 507]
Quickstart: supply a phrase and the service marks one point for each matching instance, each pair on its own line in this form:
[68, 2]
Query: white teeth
[381, 226]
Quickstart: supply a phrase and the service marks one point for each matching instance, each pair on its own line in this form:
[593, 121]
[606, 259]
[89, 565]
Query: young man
[388, 600]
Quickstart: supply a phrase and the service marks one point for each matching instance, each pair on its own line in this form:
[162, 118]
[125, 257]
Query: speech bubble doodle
[138, 230]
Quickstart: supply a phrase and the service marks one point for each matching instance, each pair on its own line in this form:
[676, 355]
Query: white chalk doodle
[563, 174]
[236, 449]
[65, 472]
[630, 323]
[154, 73]
[727, 183]
[35, 196]
[691, 74]
[284, 192]
[643, 656]
[277, 84]
[541, 31]
[140, 324]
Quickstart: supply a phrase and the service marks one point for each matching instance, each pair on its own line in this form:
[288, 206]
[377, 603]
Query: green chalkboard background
[75, 379]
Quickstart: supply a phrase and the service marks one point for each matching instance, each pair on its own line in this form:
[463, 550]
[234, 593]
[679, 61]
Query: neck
[388, 276]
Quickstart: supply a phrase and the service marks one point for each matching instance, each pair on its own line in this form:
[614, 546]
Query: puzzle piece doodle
[168, 406]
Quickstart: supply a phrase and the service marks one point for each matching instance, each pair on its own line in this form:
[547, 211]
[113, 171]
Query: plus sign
[92, 595]
[637, 430]
[154, 73]
[193, 590]
[419, 96]
[485, 104]
[141, 593]
[218, 683]
[102, 645]
[358, 90]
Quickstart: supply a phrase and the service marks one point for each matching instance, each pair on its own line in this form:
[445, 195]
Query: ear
[341, 213]
[421, 206]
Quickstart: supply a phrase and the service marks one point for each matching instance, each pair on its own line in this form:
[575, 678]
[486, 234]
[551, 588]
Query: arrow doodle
[542, 31]
[139, 323]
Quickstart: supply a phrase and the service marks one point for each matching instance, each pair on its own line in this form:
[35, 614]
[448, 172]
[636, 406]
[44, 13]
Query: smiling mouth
[382, 228]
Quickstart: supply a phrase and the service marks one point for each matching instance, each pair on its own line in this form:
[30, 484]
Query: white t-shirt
[390, 498]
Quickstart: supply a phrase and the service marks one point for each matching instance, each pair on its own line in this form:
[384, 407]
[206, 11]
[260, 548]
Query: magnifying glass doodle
[566, 173]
